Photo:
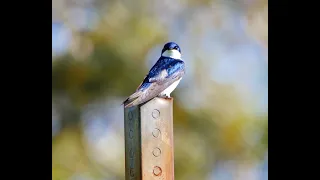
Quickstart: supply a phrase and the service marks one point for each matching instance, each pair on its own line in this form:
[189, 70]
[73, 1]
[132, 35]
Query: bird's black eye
[176, 47]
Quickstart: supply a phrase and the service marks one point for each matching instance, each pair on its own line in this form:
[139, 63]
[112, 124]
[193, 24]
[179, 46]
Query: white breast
[171, 88]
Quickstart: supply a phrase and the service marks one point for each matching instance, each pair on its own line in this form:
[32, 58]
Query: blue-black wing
[164, 69]
[165, 72]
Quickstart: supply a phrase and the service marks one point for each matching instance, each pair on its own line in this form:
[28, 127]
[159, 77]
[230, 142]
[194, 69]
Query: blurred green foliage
[108, 61]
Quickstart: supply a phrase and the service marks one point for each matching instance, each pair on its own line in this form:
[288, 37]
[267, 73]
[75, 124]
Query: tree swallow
[162, 78]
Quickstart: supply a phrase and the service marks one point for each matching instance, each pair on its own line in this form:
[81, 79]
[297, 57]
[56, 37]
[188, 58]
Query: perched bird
[162, 78]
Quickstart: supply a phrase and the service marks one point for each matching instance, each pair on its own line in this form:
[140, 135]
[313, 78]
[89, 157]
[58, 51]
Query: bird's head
[172, 50]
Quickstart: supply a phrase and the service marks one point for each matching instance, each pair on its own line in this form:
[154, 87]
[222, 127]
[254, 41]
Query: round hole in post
[130, 133]
[157, 171]
[131, 152]
[131, 172]
[155, 113]
[156, 132]
[156, 152]
[130, 115]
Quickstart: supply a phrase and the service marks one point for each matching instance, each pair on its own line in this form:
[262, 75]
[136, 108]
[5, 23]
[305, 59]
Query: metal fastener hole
[157, 171]
[131, 152]
[130, 115]
[156, 132]
[156, 152]
[155, 113]
[131, 172]
[131, 134]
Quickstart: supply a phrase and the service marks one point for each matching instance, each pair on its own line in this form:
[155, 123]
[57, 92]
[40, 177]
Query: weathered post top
[149, 140]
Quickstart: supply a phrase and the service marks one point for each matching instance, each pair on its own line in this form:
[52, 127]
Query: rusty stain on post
[149, 141]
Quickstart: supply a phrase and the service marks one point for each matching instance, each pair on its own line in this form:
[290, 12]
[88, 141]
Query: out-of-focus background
[101, 51]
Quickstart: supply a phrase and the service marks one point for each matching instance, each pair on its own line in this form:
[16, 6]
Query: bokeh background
[101, 51]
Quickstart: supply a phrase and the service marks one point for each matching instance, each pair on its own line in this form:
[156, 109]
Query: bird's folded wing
[156, 81]
[160, 77]
[153, 90]
[163, 83]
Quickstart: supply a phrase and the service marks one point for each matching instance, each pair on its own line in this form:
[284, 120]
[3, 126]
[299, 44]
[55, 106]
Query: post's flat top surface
[149, 140]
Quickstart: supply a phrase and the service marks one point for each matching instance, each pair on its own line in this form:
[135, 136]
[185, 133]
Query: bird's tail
[132, 99]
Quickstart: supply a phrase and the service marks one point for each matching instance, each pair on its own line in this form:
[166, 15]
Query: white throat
[172, 53]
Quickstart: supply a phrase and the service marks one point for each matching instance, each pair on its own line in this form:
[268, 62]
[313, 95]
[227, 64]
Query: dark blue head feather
[170, 46]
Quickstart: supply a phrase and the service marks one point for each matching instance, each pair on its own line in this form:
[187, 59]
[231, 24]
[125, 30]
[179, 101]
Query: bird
[162, 79]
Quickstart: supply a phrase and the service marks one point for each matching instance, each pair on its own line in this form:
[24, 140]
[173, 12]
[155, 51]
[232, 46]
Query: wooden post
[149, 141]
